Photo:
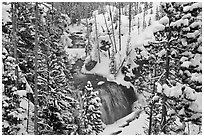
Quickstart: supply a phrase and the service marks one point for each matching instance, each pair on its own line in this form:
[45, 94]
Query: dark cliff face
[116, 101]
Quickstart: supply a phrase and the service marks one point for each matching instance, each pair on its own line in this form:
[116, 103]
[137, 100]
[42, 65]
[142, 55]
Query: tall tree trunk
[113, 30]
[88, 33]
[36, 68]
[119, 26]
[98, 49]
[130, 9]
[128, 43]
[14, 23]
[108, 34]
[152, 105]
[164, 99]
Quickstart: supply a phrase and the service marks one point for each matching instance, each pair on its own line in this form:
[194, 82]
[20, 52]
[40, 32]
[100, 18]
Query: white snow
[164, 20]
[185, 22]
[66, 41]
[100, 82]
[196, 5]
[186, 8]
[176, 90]
[21, 93]
[186, 16]
[183, 59]
[194, 107]
[186, 64]
[134, 127]
[190, 93]
[166, 90]
[74, 53]
[195, 24]
[190, 35]
[196, 77]
[161, 53]
[171, 112]
[6, 17]
[197, 60]
[159, 87]
[182, 111]
[157, 27]
[24, 104]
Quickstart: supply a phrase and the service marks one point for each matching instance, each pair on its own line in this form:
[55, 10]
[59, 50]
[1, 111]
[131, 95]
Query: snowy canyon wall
[116, 99]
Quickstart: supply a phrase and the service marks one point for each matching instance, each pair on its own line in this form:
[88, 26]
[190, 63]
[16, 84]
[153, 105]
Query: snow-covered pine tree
[91, 122]
[14, 102]
[14, 115]
[177, 91]
[57, 106]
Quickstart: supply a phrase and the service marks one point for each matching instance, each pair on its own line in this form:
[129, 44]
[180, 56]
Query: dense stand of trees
[32, 50]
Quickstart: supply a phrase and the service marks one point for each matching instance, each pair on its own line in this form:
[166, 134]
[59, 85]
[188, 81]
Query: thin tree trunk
[152, 105]
[128, 43]
[28, 113]
[108, 34]
[112, 29]
[164, 99]
[98, 49]
[119, 26]
[87, 26]
[36, 67]
[15, 41]
[130, 9]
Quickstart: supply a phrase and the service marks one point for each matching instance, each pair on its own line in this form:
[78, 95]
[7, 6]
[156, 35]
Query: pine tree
[57, 107]
[13, 114]
[91, 116]
[173, 88]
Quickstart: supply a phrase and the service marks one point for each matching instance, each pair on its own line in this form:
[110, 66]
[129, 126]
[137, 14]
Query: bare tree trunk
[119, 26]
[98, 49]
[128, 43]
[130, 9]
[108, 34]
[112, 29]
[164, 99]
[36, 67]
[152, 105]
